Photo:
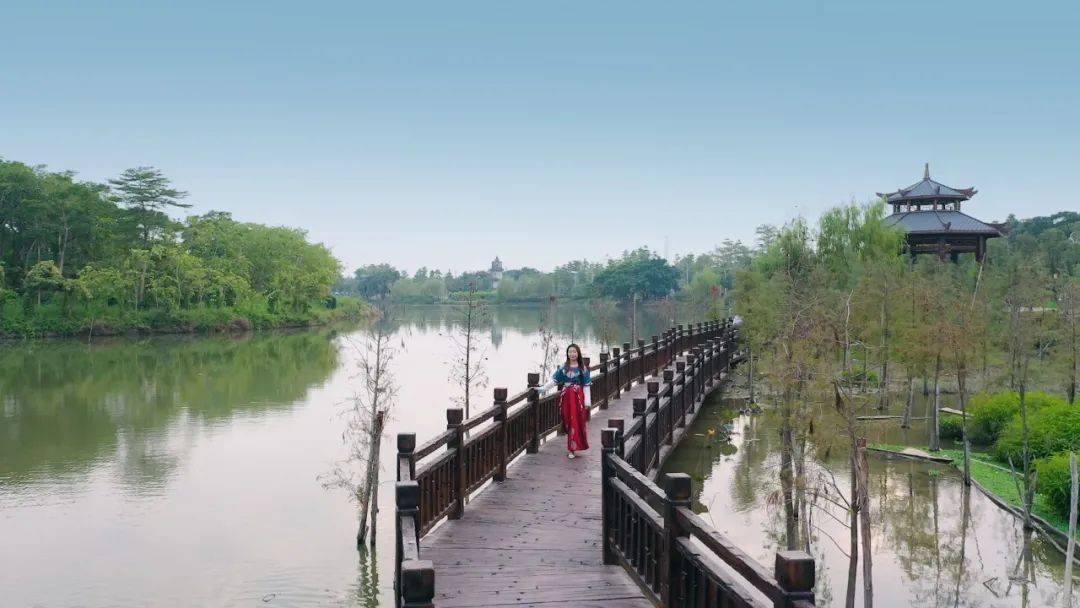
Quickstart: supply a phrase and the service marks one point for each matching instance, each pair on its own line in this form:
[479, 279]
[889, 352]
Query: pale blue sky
[444, 133]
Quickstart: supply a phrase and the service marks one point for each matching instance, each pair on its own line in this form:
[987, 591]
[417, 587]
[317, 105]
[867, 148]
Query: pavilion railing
[434, 478]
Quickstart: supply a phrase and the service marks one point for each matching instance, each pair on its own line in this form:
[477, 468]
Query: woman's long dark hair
[580, 358]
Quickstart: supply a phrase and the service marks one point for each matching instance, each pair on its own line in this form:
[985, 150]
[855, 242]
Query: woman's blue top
[572, 375]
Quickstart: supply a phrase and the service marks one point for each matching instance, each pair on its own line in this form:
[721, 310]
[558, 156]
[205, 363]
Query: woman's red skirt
[573, 418]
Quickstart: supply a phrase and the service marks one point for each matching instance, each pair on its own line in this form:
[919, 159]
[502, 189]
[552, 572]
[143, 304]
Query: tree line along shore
[85, 258]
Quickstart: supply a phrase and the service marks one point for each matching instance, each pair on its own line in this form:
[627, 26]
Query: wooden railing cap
[795, 570]
[406, 443]
[607, 438]
[417, 581]
[454, 415]
[677, 486]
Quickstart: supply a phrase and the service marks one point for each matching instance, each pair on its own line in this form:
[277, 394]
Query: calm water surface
[184, 471]
[934, 543]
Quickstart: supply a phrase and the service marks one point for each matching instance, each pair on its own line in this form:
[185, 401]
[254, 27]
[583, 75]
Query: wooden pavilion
[929, 212]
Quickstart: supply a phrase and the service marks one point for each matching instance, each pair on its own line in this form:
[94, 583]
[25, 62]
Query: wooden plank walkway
[534, 539]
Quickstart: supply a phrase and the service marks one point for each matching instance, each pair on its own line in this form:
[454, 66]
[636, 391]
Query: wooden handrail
[672, 525]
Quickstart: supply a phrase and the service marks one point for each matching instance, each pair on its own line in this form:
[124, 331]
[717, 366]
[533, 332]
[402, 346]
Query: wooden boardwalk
[491, 512]
[534, 539]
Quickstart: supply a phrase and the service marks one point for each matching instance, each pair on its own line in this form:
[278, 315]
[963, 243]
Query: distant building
[496, 272]
[929, 212]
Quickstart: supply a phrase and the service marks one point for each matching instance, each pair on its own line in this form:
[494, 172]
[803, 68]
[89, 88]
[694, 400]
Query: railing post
[414, 580]
[680, 381]
[653, 391]
[607, 380]
[620, 442]
[629, 375]
[406, 443]
[418, 584]
[676, 494]
[643, 437]
[617, 372]
[710, 362]
[641, 360]
[607, 470]
[795, 575]
[695, 364]
[656, 356]
[454, 417]
[680, 339]
[667, 347]
[534, 414]
[692, 379]
[670, 391]
[501, 435]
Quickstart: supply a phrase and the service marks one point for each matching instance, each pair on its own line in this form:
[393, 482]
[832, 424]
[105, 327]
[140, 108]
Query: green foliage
[86, 258]
[951, 427]
[526, 288]
[858, 376]
[1055, 481]
[428, 290]
[640, 272]
[1053, 427]
[990, 413]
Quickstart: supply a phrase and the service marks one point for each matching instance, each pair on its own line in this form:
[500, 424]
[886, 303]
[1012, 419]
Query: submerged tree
[1024, 297]
[365, 419]
[1068, 329]
[467, 369]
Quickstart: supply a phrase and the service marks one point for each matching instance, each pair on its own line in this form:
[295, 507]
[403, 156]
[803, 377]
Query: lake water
[183, 471]
[935, 543]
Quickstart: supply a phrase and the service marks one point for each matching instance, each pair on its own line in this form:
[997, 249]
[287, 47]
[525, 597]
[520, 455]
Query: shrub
[950, 427]
[991, 413]
[1054, 481]
[1052, 429]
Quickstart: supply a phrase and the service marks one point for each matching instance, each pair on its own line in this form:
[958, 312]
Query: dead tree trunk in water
[935, 429]
[369, 493]
[905, 422]
[863, 470]
[750, 356]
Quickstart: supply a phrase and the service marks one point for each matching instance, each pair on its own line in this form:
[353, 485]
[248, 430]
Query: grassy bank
[996, 480]
[56, 321]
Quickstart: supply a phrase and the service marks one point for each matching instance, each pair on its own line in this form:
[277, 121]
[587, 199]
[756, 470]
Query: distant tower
[929, 212]
[496, 272]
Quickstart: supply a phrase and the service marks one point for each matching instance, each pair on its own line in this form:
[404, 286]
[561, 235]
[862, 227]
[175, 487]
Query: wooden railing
[674, 554]
[434, 478]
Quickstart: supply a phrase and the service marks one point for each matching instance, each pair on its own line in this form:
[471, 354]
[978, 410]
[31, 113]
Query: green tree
[374, 281]
[639, 272]
[147, 193]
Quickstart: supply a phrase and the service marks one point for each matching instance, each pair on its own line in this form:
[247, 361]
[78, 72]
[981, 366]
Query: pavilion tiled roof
[937, 221]
[927, 190]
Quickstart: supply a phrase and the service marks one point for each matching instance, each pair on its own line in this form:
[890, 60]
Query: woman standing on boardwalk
[574, 376]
